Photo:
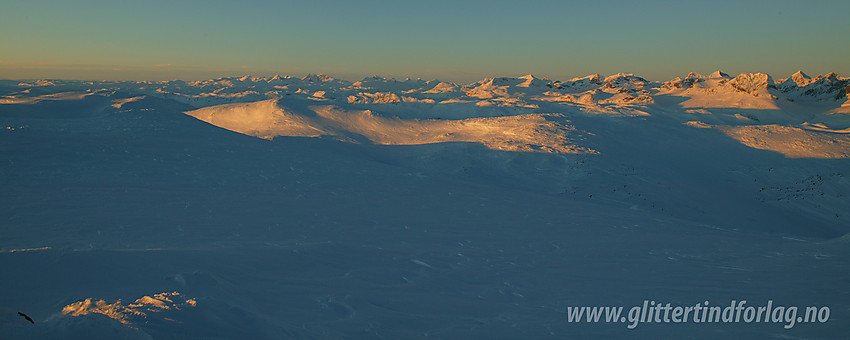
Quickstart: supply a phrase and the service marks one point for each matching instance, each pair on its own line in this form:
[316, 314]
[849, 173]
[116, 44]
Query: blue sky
[450, 40]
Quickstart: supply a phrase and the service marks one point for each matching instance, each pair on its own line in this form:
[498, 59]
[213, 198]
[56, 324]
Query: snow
[792, 142]
[253, 207]
[442, 87]
[718, 74]
[271, 118]
[53, 96]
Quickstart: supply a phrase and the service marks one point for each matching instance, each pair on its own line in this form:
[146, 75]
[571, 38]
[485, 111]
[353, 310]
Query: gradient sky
[448, 40]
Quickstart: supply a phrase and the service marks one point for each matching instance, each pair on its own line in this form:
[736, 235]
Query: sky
[447, 40]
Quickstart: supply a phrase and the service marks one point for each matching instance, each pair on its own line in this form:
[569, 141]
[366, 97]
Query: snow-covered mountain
[314, 207]
[747, 90]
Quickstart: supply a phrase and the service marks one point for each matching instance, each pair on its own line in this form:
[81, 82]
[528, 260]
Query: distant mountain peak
[719, 74]
[321, 77]
[591, 77]
[619, 75]
[530, 81]
[800, 75]
[694, 75]
[799, 79]
[832, 76]
[752, 83]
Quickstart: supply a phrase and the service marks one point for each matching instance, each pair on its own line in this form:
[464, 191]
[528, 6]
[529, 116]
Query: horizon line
[267, 75]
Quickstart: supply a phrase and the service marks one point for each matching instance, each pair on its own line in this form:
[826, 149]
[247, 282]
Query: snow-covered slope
[153, 210]
[272, 118]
